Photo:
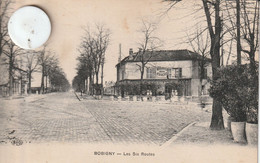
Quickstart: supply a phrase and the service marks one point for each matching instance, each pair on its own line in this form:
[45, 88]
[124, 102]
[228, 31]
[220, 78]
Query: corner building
[172, 72]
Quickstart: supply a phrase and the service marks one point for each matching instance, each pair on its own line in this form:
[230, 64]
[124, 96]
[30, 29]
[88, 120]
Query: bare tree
[103, 38]
[247, 25]
[46, 60]
[87, 58]
[51, 67]
[84, 72]
[200, 44]
[250, 31]
[42, 60]
[4, 6]
[215, 37]
[57, 77]
[32, 61]
[12, 52]
[92, 52]
[147, 45]
[217, 28]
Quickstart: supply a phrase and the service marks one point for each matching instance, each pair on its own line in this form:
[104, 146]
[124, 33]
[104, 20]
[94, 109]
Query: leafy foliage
[237, 90]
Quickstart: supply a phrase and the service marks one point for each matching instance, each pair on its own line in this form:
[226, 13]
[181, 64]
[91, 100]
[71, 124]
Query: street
[61, 117]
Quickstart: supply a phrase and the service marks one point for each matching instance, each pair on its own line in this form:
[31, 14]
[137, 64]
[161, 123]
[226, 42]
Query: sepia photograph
[129, 81]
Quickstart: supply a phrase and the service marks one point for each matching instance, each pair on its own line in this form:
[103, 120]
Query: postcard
[129, 81]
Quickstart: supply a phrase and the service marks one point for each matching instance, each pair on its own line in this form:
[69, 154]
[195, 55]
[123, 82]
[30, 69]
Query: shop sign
[161, 72]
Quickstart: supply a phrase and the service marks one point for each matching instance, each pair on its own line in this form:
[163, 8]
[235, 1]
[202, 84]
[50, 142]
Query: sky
[122, 17]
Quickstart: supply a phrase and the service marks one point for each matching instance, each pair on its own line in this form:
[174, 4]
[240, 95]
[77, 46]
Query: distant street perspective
[61, 117]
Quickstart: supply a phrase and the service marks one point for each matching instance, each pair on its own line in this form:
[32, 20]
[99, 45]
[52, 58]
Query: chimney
[131, 53]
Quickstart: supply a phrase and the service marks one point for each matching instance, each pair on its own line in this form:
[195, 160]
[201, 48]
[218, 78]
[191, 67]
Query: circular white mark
[29, 27]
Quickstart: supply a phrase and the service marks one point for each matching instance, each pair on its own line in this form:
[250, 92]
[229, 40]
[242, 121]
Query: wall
[132, 70]
[4, 71]
[195, 87]
[195, 70]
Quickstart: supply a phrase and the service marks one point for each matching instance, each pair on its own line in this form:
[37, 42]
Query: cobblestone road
[62, 118]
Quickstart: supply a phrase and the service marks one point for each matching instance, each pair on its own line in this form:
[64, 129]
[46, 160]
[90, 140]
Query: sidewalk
[201, 133]
[201, 144]
[27, 98]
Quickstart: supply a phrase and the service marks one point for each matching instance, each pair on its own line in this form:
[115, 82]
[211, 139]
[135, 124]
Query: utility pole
[118, 70]
[238, 33]
[119, 58]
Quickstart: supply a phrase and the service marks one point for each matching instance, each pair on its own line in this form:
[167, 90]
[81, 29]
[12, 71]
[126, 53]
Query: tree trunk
[141, 81]
[91, 77]
[10, 78]
[42, 80]
[96, 77]
[46, 82]
[21, 84]
[238, 33]
[30, 82]
[11, 75]
[102, 78]
[87, 86]
[202, 73]
[217, 118]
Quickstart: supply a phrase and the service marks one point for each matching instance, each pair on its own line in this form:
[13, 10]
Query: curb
[169, 142]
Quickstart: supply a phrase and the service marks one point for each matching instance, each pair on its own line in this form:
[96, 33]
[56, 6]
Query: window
[176, 73]
[151, 73]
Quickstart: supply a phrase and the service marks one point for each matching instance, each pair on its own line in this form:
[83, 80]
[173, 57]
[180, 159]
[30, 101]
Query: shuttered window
[151, 73]
[176, 73]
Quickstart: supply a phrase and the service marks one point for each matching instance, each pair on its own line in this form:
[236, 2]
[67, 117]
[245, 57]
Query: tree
[250, 31]
[92, 53]
[51, 67]
[46, 60]
[58, 79]
[200, 44]
[85, 69]
[52, 72]
[218, 27]
[11, 52]
[247, 28]
[4, 6]
[32, 62]
[147, 45]
[103, 38]
[215, 37]
[77, 83]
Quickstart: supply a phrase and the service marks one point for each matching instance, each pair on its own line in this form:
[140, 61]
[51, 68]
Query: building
[19, 84]
[109, 88]
[167, 72]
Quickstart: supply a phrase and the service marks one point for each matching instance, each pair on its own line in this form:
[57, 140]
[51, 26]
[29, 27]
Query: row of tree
[91, 60]
[22, 63]
[227, 21]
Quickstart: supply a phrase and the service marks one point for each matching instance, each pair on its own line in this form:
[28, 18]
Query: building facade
[109, 88]
[19, 83]
[167, 72]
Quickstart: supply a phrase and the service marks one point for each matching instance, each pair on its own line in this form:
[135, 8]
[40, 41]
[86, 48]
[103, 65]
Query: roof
[164, 55]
